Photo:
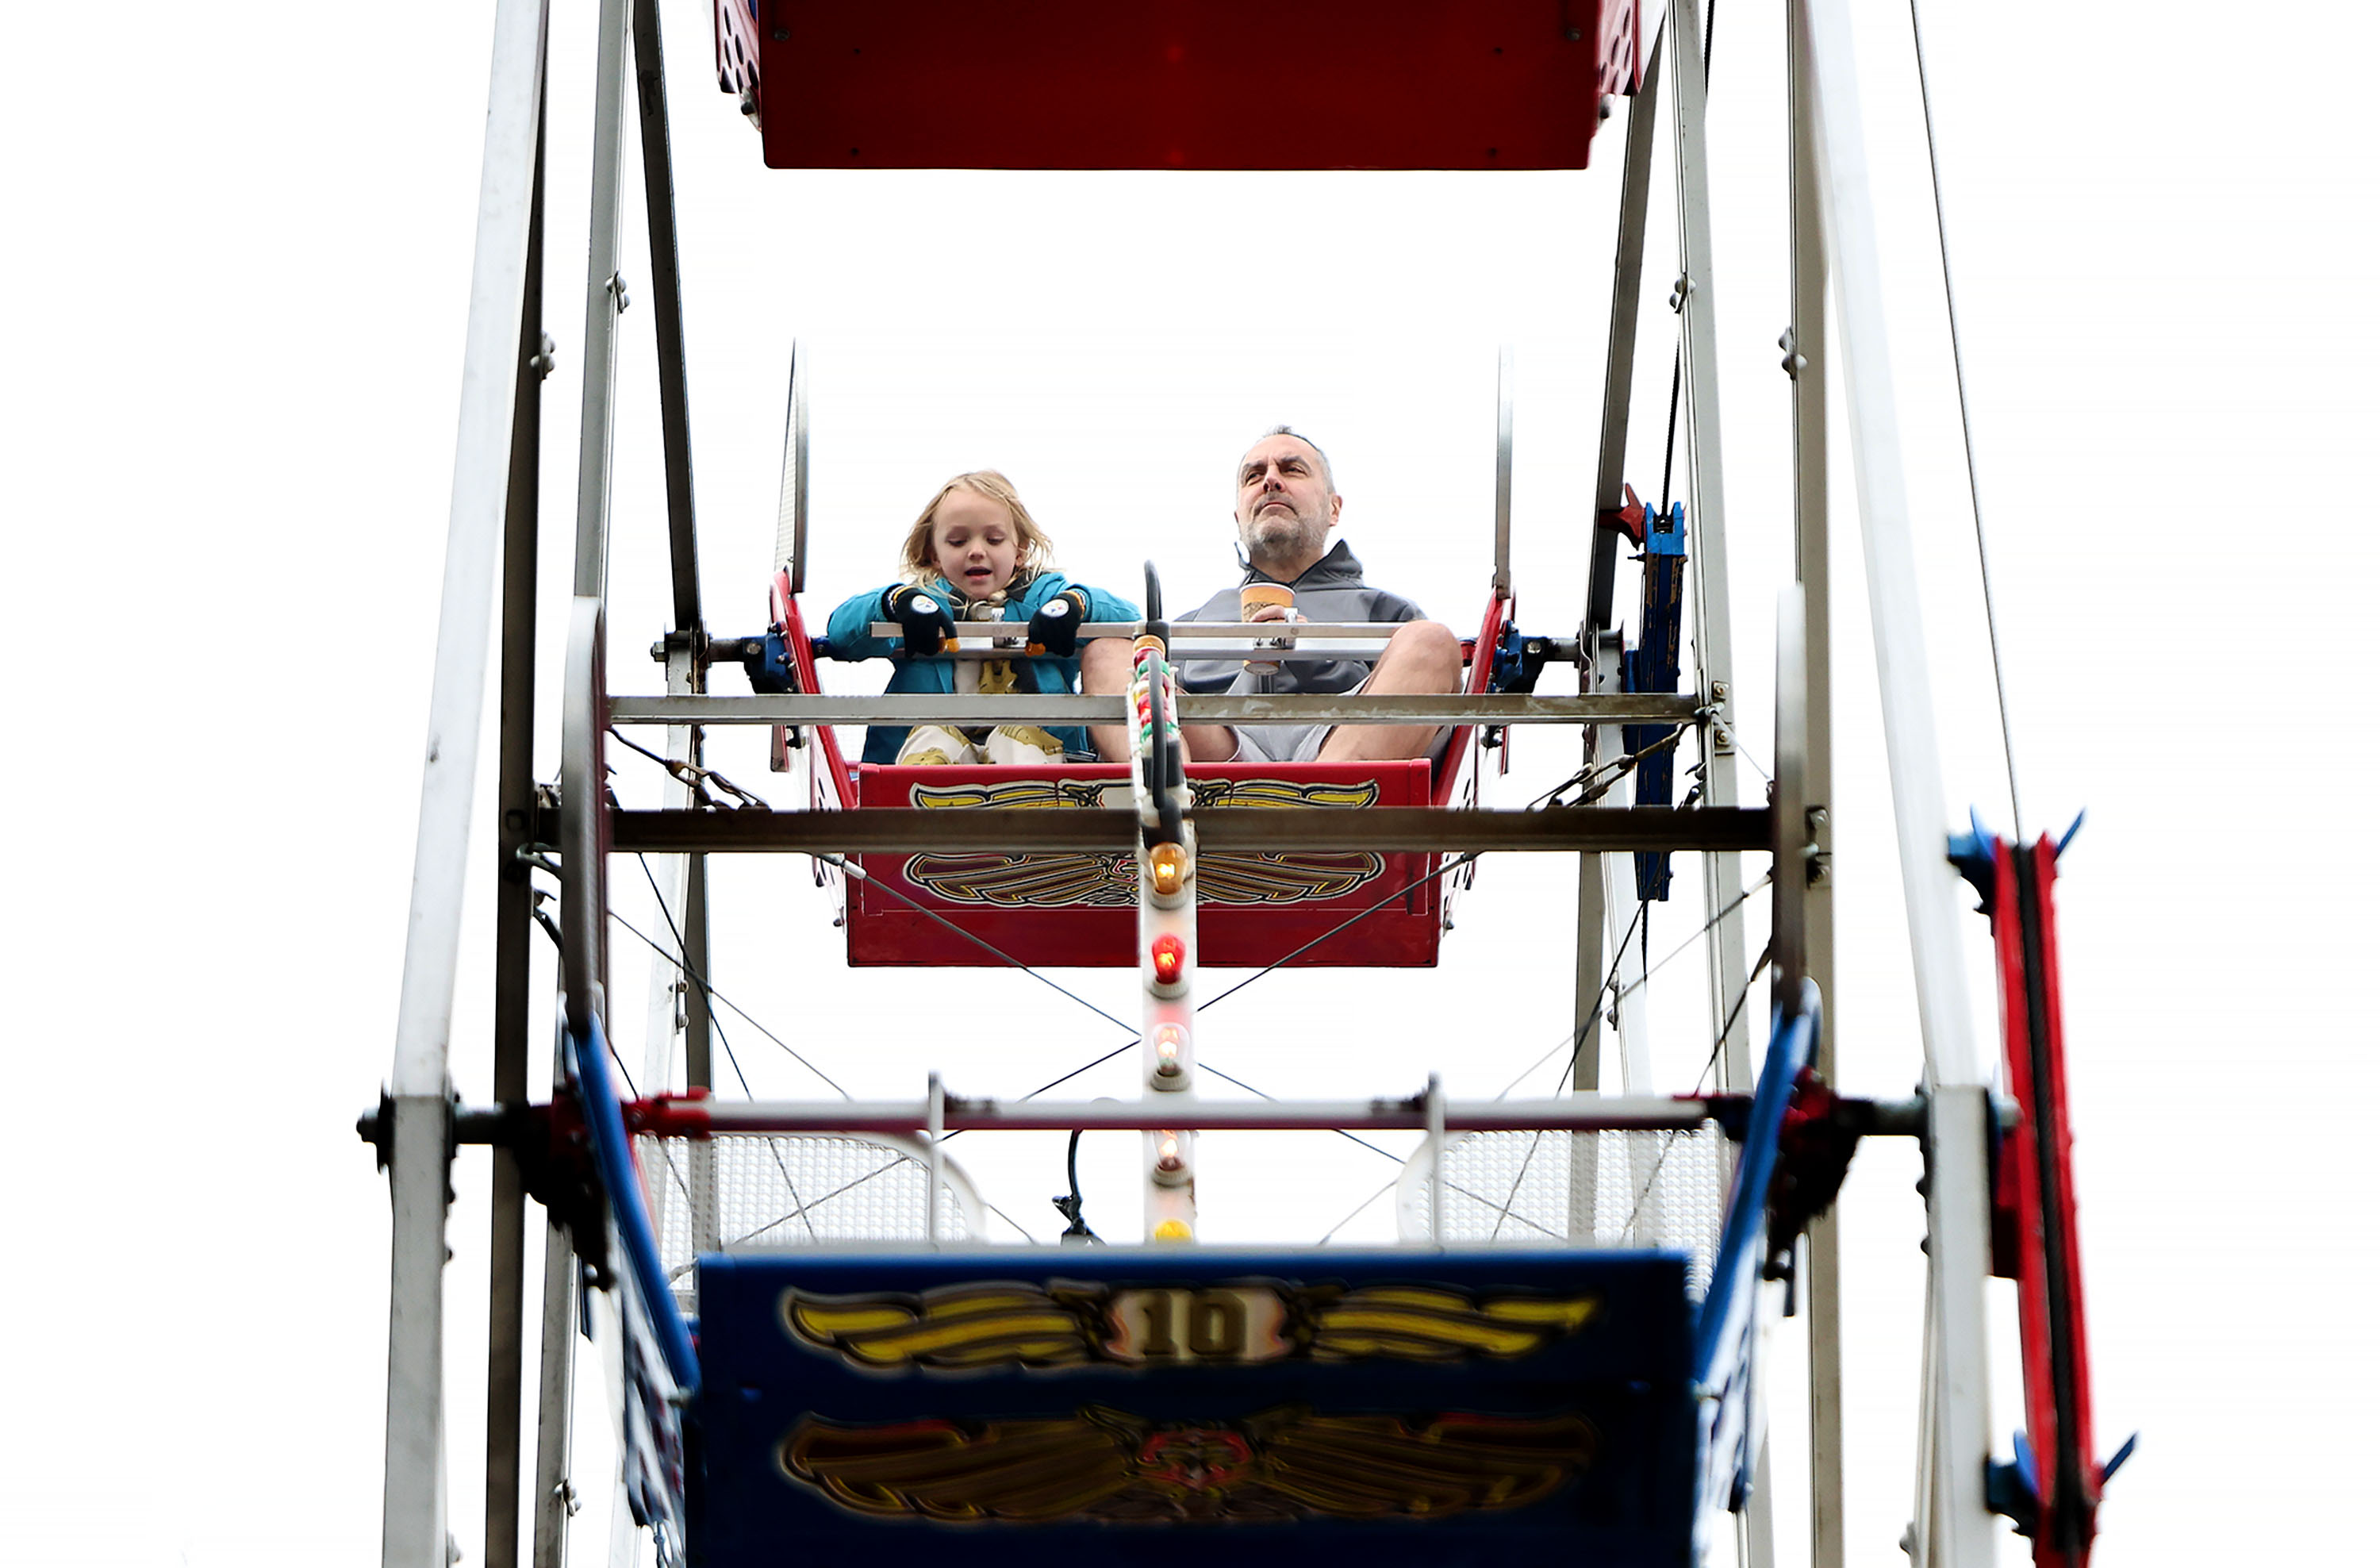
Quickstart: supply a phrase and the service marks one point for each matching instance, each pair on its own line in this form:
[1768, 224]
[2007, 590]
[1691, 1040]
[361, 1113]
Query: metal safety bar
[1039, 708]
[1175, 631]
[687, 1115]
[1382, 828]
[670, 1116]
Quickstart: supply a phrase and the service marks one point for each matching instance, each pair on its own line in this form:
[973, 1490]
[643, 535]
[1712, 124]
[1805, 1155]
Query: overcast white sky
[237, 271]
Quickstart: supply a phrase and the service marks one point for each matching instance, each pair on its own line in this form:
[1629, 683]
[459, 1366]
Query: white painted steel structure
[1833, 243]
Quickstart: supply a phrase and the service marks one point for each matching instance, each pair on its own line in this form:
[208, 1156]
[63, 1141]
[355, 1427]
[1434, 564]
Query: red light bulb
[1168, 954]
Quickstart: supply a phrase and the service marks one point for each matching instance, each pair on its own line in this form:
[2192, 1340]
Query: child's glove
[1055, 624]
[925, 625]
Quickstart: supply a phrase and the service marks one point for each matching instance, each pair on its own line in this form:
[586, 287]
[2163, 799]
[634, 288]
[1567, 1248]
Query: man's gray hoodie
[1332, 589]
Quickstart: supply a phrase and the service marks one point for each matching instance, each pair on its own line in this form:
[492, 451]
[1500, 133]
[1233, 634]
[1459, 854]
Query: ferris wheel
[819, 1341]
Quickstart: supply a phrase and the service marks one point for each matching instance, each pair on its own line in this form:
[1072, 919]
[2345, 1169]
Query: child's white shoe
[1022, 746]
[934, 746]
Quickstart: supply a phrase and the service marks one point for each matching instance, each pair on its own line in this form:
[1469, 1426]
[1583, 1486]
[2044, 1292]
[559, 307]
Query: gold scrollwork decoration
[1112, 1466]
[1077, 880]
[996, 1325]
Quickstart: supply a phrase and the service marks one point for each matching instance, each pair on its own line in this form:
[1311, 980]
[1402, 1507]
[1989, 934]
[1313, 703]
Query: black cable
[678, 937]
[1625, 763]
[694, 775]
[1966, 424]
[1070, 1204]
[626, 1076]
[1638, 983]
[1351, 1138]
[775, 1153]
[840, 864]
[1077, 1072]
[713, 995]
[1638, 923]
[1385, 1154]
[1454, 865]
[1581, 1045]
[1619, 956]
[1670, 442]
[613, 730]
[1670, 1139]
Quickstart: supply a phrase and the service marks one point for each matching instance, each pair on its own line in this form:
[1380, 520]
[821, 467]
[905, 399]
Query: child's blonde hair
[1033, 548]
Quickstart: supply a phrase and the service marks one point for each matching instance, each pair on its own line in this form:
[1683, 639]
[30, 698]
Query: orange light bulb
[1169, 865]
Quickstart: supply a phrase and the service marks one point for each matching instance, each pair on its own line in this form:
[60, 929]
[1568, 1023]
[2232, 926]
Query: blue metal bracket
[1652, 665]
[1972, 852]
[1518, 661]
[772, 672]
[2013, 1488]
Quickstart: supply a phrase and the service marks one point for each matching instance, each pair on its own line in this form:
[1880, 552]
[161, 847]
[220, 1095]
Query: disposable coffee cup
[1255, 596]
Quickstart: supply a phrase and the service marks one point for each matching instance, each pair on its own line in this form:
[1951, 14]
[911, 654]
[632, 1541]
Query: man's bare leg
[1211, 743]
[1107, 671]
[1423, 659]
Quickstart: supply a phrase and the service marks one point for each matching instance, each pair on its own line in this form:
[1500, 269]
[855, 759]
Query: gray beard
[1266, 547]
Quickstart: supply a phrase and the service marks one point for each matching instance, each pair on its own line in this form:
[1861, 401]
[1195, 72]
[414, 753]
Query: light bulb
[1169, 956]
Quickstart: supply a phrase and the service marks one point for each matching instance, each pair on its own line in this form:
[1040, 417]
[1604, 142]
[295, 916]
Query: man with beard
[1286, 507]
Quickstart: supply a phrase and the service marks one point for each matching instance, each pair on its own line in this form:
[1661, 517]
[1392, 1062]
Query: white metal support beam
[669, 322]
[793, 544]
[1503, 575]
[669, 992]
[702, 1159]
[556, 1382]
[1620, 351]
[1707, 520]
[1714, 624]
[1805, 363]
[413, 1504]
[1599, 667]
[517, 932]
[1930, 886]
[607, 297]
[1957, 1526]
[413, 1524]
[677, 1005]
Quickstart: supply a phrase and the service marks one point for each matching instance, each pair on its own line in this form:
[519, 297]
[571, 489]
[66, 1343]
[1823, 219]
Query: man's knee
[1107, 664]
[1421, 656]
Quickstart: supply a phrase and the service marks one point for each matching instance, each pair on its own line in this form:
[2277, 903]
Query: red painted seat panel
[1081, 909]
[1224, 84]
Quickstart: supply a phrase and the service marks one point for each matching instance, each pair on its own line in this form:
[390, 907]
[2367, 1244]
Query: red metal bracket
[1627, 519]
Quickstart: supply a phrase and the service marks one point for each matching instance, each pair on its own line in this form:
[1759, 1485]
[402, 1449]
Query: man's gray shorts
[1303, 743]
[1280, 743]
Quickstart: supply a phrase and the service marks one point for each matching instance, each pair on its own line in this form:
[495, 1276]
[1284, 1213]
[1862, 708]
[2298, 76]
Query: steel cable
[1966, 425]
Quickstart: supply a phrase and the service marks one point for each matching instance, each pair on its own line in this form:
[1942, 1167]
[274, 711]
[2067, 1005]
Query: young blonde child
[975, 553]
